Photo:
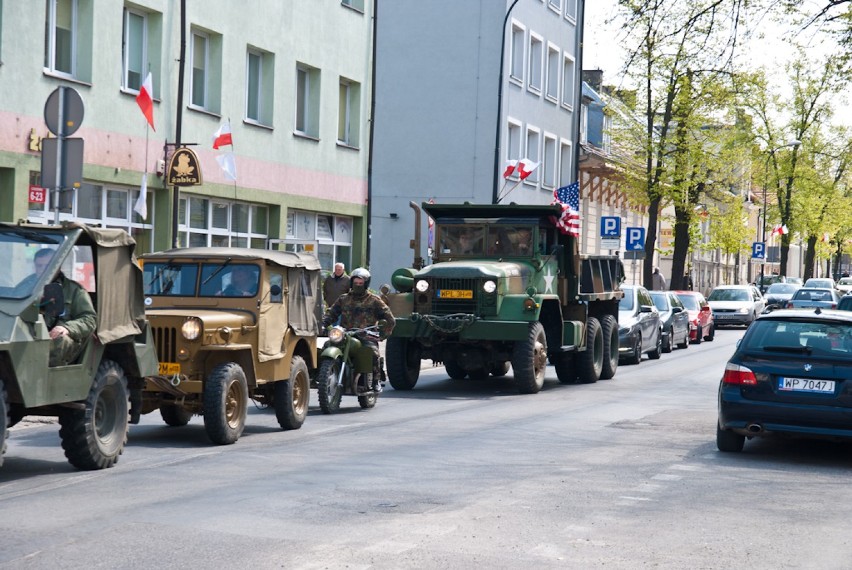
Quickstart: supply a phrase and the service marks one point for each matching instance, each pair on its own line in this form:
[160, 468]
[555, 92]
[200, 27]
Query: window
[208, 223]
[348, 119]
[552, 88]
[584, 123]
[555, 5]
[533, 153]
[326, 236]
[536, 54]
[354, 4]
[516, 60]
[259, 83]
[566, 170]
[61, 37]
[307, 100]
[135, 48]
[548, 164]
[571, 10]
[568, 78]
[513, 144]
[200, 64]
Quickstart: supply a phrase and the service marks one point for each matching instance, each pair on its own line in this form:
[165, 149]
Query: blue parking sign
[635, 239]
[758, 250]
[610, 226]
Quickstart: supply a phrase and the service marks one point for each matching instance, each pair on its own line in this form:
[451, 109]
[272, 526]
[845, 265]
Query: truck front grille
[448, 306]
[165, 339]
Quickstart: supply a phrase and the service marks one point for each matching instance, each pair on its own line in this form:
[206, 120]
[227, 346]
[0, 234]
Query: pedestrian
[335, 284]
[658, 282]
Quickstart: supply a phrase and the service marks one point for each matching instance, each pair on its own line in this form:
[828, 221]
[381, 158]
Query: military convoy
[506, 286]
[205, 330]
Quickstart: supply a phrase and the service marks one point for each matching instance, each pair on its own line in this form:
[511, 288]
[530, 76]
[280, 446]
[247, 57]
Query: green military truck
[96, 395]
[506, 286]
[231, 325]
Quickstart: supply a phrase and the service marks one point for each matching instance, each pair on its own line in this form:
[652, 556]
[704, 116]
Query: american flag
[569, 198]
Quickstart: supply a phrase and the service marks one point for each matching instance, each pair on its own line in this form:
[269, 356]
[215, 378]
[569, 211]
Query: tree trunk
[810, 258]
[650, 243]
[681, 249]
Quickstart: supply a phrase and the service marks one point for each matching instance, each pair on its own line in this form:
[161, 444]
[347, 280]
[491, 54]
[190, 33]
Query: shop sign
[184, 168]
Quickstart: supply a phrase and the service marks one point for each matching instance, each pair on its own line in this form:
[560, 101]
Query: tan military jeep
[231, 324]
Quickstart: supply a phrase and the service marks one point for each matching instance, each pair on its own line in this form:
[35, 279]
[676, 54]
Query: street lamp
[793, 143]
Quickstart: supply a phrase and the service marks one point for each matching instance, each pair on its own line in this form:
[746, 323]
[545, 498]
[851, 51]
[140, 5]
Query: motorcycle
[346, 367]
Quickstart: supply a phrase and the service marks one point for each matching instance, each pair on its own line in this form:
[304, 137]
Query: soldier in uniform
[359, 309]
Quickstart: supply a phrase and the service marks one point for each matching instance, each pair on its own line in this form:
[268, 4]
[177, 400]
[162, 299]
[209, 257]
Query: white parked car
[735, 304]
[844, 285]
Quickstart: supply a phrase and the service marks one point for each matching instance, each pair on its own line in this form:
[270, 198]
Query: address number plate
[805, 385]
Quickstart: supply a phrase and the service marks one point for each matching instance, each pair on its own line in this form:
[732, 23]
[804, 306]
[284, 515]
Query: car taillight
[834, 305]
[739, 376]
[789, 304]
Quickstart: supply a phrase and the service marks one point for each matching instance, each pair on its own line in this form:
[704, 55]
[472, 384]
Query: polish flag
[145, 100]
[826, 237]
[222, 137]
[526, 167]
[510, 168]
[780, 230]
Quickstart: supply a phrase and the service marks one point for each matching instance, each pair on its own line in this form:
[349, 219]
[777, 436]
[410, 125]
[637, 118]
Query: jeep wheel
[453, 370]
[403, 362]
[590, 361]
[225, 403]
[4, 420]
[529, 360]
[95, 436]
[563, 363]
[175, 416]
[609, 327]
[500, 369]
[328, 390]
[292, 396]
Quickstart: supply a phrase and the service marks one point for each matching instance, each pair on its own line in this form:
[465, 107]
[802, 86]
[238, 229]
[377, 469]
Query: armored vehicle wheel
[609, 327]
[95, 436]
[328, 390]
[292, 396]
[4, 420]
[175, 416]
[500, 369]
[563, 362]
[225, 403]
[529, 360]
[403, 363]
[368, 401]
[454, 371]
[590, 361]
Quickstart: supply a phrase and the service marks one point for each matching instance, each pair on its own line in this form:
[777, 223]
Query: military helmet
[363, 274]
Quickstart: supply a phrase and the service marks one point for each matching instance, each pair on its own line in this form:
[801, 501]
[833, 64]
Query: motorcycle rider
[359, 309]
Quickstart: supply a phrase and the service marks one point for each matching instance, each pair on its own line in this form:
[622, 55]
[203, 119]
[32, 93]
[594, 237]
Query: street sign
[37, 194]
[636, 254]
[635, 239]
[611, 243]
[63, 111]
[758, 250]
[610, 227]
[68, 174]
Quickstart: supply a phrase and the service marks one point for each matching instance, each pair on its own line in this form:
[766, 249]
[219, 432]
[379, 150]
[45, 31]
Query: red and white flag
[510, 168]
[779, 230]
[222, 137]
[526, 167]
[145, 100]
[826, 237]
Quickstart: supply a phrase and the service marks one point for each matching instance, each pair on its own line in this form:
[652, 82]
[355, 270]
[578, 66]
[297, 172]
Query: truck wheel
[4, 420]
[175, 416]
[563, 363]
[402, 357]
[529, 360]
[453, 370]
[225, 403]
[590, 361]
[500, 369]
[609, 327]
[292, 396]
[95, 436]
[328, 390]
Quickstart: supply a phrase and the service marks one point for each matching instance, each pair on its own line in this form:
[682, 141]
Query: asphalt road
[620, 474]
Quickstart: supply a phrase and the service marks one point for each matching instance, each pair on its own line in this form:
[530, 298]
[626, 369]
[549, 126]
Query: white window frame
[51, 40]
[514, 138]
[206, 85]
[309, 97]
[347, 120]
[125, 63]
[517, 61]
[259, 87]
[568, 90]
[532, 150]
[211, 232]
[584, 124]
[536, 63]
[549, 161]
[551, 89]
[566, 162]
[555, 5]
[357, 5]
[571, 10]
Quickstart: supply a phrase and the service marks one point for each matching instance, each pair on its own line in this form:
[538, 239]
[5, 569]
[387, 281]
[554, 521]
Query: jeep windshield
[188, 279]
[459, 240]
[20, 254]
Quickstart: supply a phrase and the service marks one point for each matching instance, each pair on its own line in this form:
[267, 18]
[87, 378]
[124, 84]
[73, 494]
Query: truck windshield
[477, 240]
[25, 254]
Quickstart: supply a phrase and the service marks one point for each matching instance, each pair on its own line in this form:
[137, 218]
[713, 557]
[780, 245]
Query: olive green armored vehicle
[92, 394]
[231, 325]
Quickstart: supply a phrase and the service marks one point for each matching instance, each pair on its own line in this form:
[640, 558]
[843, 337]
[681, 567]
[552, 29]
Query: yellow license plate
[167, 368]
[455, 294]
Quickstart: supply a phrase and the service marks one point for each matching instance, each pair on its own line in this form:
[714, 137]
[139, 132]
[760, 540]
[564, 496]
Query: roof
[282, 258]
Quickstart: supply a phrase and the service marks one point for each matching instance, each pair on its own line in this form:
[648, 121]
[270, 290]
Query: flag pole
[518, 183]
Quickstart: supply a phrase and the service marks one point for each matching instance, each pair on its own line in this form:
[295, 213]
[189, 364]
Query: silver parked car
[674, 319]
[736, 304]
